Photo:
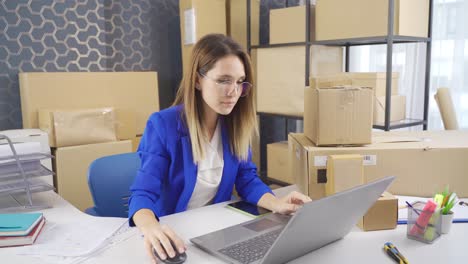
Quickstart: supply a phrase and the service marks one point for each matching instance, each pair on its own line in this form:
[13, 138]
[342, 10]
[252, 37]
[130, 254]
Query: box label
[190, 29]
[368, 160]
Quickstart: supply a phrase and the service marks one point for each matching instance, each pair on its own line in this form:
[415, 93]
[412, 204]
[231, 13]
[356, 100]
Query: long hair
[241, 123]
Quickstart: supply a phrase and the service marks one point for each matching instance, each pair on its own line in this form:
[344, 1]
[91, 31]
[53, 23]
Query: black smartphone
[248, 208]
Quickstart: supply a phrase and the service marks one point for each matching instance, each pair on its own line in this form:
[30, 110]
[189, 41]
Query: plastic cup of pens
[424, 222]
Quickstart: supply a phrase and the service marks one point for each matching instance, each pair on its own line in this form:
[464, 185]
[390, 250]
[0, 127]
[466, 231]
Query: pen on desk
[394, 253]
[463, 203]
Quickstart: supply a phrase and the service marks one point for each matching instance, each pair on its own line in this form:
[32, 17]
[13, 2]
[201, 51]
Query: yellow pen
[394, 253]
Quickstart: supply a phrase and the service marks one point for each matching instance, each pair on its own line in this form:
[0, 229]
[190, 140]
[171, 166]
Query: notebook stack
[20, 229]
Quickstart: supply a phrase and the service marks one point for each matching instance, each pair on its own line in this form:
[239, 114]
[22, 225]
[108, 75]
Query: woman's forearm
[144, 218]
[268, 201]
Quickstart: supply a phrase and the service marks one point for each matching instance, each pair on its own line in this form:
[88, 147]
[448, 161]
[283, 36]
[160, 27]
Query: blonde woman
[195, 152]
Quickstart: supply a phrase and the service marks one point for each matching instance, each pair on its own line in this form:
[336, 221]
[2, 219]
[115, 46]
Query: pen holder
[423, 225]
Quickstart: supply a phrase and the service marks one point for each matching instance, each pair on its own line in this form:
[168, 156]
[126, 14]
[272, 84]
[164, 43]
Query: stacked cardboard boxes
[88, 116]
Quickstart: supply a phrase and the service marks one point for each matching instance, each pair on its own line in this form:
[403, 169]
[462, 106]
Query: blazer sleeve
[248, 184]
[155, 160]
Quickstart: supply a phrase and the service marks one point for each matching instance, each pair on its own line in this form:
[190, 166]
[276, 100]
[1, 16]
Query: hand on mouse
[158, 236]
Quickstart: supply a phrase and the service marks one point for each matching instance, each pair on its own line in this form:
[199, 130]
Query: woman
[196, 151]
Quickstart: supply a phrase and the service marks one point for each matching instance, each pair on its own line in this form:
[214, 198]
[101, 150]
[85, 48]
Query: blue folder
[18, 224]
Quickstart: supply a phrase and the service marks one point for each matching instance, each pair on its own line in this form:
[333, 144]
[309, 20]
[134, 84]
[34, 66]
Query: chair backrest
[109, 180]
[446, 108]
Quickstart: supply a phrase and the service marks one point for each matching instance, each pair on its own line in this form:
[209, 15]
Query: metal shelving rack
[390, 39]
[18, 177]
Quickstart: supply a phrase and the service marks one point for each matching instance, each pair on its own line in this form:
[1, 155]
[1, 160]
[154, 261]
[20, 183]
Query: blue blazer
[167, 176]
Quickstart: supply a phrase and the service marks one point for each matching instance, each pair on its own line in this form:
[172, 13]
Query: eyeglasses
[227, 83]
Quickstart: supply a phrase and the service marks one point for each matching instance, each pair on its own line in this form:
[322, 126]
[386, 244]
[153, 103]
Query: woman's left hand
[290, 203]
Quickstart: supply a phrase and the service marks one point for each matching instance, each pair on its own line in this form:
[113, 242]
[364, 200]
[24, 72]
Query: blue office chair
[109, 180]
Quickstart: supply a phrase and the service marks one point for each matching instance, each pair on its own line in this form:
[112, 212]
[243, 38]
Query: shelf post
[427, 79]
[388, 88]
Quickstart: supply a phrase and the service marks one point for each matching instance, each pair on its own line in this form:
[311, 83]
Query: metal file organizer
[19, 176]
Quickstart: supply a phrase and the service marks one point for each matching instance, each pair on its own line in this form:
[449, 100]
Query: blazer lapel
[189, 170]
[229, 168]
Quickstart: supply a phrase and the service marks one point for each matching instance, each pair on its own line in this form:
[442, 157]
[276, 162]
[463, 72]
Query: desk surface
[356, 247]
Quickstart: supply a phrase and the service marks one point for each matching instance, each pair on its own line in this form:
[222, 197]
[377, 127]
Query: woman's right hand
[157, 236]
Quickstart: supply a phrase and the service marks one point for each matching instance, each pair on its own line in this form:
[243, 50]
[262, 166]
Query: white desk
[356, 247]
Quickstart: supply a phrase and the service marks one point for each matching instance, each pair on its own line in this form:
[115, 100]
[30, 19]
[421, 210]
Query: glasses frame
[242, 94]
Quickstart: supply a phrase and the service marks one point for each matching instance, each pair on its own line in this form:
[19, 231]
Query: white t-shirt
[210, 171]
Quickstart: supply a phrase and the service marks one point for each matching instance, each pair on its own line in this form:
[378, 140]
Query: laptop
[277, 238]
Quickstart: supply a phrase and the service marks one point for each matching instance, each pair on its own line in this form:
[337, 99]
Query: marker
[394, 253]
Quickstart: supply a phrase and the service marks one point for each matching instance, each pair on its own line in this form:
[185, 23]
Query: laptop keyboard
[253, 249]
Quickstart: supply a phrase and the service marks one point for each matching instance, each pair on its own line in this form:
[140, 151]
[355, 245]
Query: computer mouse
[177, 259]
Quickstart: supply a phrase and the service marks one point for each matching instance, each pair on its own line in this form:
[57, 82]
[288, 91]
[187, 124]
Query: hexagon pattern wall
[92, 35]
[78, 35]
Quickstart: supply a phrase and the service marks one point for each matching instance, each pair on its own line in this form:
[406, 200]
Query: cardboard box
[382, 215]
[344, 172]
[71, 167]
[136, 143]
[75, 127]
[375, 80]
[421, 161]
[136, 91]
[342, 19]
[236, 16]
[397, 110]
[338, 116]
[281, 76]
[125, 124]
[278, 162]
[197, 19]
[288, 25]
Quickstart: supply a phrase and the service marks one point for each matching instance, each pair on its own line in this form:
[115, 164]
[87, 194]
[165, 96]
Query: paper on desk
[460, 211]
[74, 239]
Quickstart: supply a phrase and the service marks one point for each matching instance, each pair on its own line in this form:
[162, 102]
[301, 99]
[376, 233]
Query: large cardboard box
[397, 109]
[278, 162]
[71, 166]
[342, 19]
[382, 215]
[344, 172]
[374, 80]
[338, 115]
[197, 19]
[236, 13]
[281, 76]
[288, 25]
[421, 161]
[136, 143]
